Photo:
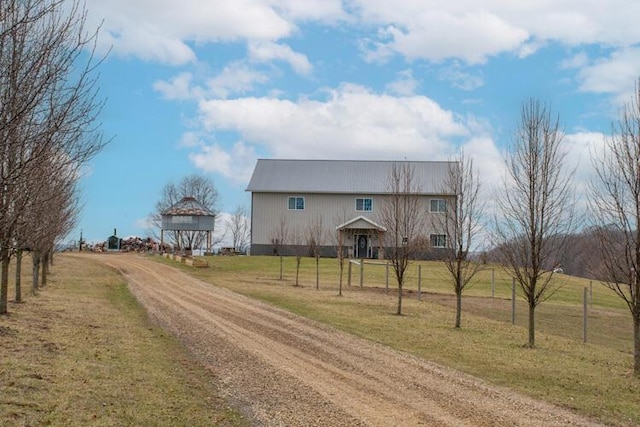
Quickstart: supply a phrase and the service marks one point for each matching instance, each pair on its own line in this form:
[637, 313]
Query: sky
[210, 86]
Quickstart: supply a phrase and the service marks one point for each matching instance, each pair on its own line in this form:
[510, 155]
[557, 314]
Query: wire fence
[420, 280]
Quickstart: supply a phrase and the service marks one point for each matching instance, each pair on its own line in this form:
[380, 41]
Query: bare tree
[535, 207]
[48, 104]
[203, 190]
[280, 238]
[239, 228]
[403, 216]
[615, 207]
[460, 222]
[300, 248]
[315, 241]
[339, 240]
[55, 216]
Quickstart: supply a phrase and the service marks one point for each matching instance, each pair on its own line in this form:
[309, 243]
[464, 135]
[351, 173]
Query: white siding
[335, 209]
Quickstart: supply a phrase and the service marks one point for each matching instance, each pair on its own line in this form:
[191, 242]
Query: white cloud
[415, 30]
[470, 30]
[616, 74]
[486, 158]
[311, 10]
[145, 223]
[461, 79]
[581, 146]
[473, 30]
[159, 30]
[178, 88]
[236, 164]
[352, 123]
[576, 61]
[269, 51]
[404, 85]
[575, 22]
[529, 48]
[190, 139]
[236, 78]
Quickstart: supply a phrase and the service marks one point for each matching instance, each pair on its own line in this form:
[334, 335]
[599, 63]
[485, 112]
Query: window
[438, 240]
[296, 203]
[438, 205]
[364, 205]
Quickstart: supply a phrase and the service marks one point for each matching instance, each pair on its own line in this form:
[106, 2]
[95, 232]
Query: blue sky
[209, 86]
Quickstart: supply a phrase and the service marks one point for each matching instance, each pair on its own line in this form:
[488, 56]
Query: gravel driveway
[284, 370]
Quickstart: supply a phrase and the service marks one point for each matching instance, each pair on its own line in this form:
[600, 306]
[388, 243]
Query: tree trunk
[317, 273]
[34, 271]
[341, 272]
[18, 275]
[4, 280]
[48, 257]
[458, 308]
[280, 267]
[45, 269]
[636, 344]
[532, 325]
[297, 270]
[399, 311]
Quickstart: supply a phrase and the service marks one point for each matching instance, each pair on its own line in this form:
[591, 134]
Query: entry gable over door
[360, 223]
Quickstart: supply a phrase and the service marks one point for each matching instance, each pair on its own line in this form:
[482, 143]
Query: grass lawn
[593, 378]
[84, 353]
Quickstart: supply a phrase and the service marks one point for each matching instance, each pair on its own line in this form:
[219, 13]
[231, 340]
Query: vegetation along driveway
[282, 369]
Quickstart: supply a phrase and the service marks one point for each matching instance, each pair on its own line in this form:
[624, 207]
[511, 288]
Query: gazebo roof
[188, 206]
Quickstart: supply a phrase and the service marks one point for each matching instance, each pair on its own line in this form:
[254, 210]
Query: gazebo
[185, 216]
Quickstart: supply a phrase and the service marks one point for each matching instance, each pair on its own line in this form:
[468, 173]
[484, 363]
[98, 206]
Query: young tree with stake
[535, 206]
[615, 207]
[403, 216]
[460, 222]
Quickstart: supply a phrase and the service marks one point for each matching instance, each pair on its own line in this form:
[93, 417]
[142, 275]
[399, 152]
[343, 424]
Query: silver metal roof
[340, 176]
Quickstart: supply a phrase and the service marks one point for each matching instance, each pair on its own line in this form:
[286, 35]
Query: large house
[343, 196]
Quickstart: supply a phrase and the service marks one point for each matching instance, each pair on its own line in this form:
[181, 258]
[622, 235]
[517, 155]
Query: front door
[362, 246]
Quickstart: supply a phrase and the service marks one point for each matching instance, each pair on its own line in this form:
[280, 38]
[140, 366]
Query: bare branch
[461, 224]
[535, 207]
[403, 216]
[615, 208]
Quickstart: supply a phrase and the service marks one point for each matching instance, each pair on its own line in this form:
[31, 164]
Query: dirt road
[284, 370]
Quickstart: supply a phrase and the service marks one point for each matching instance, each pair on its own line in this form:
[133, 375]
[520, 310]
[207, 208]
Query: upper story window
[437, 205]
[364, 205]
[296, 203]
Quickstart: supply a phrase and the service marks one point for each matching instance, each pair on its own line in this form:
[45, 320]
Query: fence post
[591, 292]
[419, 282]
[361, 273]
[493, 283]
[349, 274]
[584, 316]
[513, 301]
[386, 272]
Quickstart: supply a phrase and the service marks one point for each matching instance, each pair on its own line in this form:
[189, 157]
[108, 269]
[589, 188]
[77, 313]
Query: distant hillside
[581, 257]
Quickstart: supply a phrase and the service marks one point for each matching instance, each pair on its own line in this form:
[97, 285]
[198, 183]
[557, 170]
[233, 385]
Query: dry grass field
[82, 352]
[593, 378]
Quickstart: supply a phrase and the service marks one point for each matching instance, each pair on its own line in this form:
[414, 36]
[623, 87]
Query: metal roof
[187, 206]
[341, 176]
